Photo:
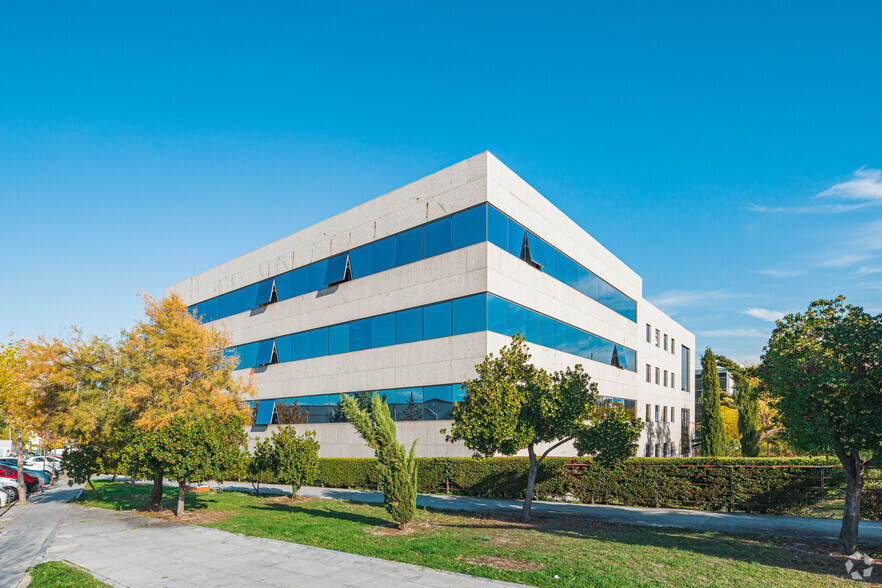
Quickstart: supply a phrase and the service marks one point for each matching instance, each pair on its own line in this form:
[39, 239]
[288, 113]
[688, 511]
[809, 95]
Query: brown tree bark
[531, 484]
[22, 487]
[853, 467]
[182, 492]
[155, 500]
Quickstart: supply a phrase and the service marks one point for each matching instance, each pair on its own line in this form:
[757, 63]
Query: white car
[37, 463]
[8, 491]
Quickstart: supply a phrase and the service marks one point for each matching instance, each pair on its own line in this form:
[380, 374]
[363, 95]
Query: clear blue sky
[729, 153]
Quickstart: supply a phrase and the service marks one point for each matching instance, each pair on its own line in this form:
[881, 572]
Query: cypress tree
[713, 433]
[748, 418]
[398, 475]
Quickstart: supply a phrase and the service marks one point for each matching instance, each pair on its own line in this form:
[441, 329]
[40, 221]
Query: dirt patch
[289, 500]
[503, 563]
[195, 517]
[392, 530]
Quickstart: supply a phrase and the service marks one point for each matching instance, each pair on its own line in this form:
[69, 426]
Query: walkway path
[786, 526]
[128, 549]
[25, 531]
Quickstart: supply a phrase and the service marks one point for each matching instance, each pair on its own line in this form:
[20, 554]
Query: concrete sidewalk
[701, 520]
[25, 531]
[128, 549]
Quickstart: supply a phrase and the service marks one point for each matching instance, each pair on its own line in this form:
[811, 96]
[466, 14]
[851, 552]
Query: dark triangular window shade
[616, 362]
[266, 293]
[533, 251]
[339, 270]
[266, 353]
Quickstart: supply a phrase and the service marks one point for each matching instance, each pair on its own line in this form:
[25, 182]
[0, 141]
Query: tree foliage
[398, 474]
[512, 405]
[188, 450]
[747, 403]
[823, 372]
[17, 402]
[713, 431]
[294, 458]
[261, 463]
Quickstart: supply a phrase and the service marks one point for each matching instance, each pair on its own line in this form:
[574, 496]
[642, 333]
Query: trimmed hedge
[757, 485]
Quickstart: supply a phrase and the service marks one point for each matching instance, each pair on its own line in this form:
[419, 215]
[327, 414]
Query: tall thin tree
[713, 432]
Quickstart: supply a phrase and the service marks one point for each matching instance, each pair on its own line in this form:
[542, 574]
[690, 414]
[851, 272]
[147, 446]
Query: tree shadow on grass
[317, 509]
[793, 554]
[124, 496]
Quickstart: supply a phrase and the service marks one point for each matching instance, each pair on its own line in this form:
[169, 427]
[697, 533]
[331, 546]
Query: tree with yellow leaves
[16, 403]
[175, 369]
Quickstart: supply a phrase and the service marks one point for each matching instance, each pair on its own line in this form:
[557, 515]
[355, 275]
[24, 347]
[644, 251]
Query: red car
[31, 482]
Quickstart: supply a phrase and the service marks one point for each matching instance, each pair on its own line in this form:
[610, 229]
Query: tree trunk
[402, 526]
[92, 486]
[853, 467]
[294, 490]
[155, 500]
[22, 487]
[531, 483]
[182, 492]
[115, 470]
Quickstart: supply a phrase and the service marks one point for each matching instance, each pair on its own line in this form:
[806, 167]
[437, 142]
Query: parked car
[32, 483]
[37, 463]
[38, 473]
[8, 491]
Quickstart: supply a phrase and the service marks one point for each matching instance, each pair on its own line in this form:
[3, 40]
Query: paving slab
[129, 549]
[26, 530]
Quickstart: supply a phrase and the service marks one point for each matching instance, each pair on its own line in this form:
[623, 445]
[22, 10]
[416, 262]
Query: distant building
[727, 386]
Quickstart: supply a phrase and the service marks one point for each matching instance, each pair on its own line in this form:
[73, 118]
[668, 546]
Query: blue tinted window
[546, 335]
[300, 281]
[317, 275]
[437, 402]
[319, 411]
[360, 262]
[383, 255]
[209, 310]
[195, 311]
[560, 336]
[601, 350]
[284, 348]
[458, 392]
[409, 246]
[300, 346]
[383, 330]
[537, 251]
[497, 314]
[251, 354]
[224, 305]
[338, 339]
[515, 238]
[572, 343]
[497, 229]
[584, 344]
[470, 314]
[533, 321]
[409, 404]
[470, 227]
[436, 320]
[264, 292]
[360, 335]
[265, 409]
[236, 354]
[409, 325]
[251, 296]
[516, 320]
[283, 285]
[335, 270]
[237, 301]
[436, 238]
[318, 342]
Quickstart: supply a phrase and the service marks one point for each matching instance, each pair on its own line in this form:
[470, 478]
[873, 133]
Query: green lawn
[55, 574]
[547, 552]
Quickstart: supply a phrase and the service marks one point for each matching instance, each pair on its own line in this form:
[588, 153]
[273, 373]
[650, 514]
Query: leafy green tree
[398, 473]
[294, 457]
[823, 372]
[261, 462]
[713, 431]
[81, 464]
[412, 410]
[188, 450]
[746, 403]
[512, 405]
